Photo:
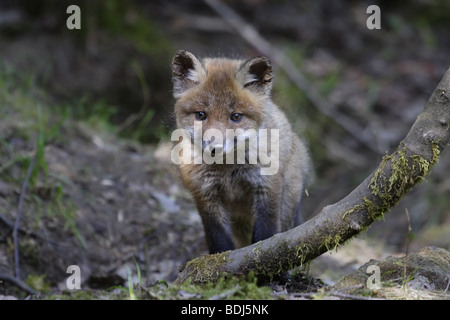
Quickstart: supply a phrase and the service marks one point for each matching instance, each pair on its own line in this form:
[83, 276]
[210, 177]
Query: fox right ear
[256, 75]
[187, 72]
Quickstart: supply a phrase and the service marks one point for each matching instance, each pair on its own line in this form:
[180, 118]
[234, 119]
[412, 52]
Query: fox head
[221, 94]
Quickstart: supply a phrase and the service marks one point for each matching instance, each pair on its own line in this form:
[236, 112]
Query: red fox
[224, 107]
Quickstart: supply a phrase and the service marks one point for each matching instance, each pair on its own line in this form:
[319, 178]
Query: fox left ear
[187, 72]
[256, 75]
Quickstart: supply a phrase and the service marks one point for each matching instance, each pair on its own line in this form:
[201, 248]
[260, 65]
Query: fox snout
[215, 141]
[216, 148]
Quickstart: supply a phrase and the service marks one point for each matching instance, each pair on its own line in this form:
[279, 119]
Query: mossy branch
[396, 175]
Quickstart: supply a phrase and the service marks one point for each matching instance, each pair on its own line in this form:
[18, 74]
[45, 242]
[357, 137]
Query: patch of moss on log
[206, 268]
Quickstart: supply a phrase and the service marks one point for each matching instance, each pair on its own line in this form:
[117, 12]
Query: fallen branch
[337, 223]
[19, 284]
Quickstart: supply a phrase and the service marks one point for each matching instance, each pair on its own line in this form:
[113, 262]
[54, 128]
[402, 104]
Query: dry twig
[20, 284]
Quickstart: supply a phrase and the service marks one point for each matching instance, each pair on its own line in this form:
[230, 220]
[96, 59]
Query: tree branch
[337, 223]
[18, 283]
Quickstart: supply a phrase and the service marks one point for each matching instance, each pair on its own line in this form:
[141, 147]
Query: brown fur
[237, 204]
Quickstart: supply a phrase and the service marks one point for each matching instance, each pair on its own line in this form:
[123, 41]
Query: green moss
[229, 288]
[265, 264]
[91, 294]
[405, 172]
[436, 153]
[38, 283]
[331, 242]
[207, 268]
[366, 205]
[302, 251]
[226, 288]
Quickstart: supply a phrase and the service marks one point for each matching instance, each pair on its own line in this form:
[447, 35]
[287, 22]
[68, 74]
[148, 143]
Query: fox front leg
[266, 211]
[217, 229]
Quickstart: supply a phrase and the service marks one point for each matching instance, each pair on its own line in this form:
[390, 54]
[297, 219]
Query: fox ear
[256, 75]
[187, 72]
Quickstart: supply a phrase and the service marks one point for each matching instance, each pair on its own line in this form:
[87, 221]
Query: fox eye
[200, 115]
[236, 117]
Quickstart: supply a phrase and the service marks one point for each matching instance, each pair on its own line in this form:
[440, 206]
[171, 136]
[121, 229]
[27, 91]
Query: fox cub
[238, 202]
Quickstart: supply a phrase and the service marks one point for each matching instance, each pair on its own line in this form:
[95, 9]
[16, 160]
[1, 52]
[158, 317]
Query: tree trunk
[337, 223]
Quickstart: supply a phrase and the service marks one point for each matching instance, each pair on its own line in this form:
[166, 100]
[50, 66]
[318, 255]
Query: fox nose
[216, 148]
